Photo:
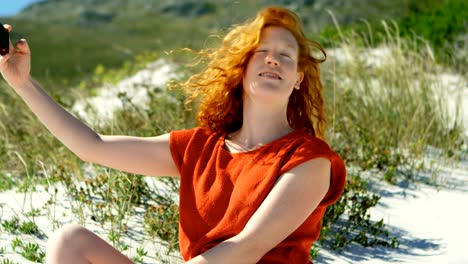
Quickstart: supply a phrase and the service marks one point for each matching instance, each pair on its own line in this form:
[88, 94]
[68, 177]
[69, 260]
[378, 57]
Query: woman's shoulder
[190, 142]
[310, 147]
[308, 143]
[190, 132]
[196, 134]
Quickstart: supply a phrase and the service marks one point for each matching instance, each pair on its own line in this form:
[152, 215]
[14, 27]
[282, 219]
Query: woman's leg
[74, 244]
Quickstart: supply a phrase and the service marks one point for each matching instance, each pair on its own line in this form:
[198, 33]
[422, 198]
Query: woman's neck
[260, 127]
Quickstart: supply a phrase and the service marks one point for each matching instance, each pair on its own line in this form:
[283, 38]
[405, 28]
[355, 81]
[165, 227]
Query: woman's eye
[260, 51]
[285, 55]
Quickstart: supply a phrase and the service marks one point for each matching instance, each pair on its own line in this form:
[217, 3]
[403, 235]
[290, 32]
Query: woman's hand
[15, 66]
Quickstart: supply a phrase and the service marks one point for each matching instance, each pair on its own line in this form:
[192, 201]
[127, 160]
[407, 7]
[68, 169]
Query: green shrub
[441, 24]
[349, 219]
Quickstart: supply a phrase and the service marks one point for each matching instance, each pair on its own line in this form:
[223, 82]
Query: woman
[255, 176]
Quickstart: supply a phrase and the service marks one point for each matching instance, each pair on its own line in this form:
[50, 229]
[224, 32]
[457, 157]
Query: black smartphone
[4, 40]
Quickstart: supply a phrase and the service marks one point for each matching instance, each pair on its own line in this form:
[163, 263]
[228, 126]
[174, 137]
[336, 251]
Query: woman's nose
[270, 59]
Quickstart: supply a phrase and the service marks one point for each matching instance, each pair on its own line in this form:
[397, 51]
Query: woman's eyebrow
[289, 44]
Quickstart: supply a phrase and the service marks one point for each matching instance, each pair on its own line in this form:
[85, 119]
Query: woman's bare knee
[75, 244]
[68, 244]
[71, 234]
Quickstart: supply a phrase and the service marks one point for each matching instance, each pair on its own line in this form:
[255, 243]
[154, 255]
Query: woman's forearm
[69, 130]
[235, 250]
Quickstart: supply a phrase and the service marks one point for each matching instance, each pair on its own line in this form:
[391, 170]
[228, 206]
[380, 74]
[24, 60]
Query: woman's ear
[300, 77]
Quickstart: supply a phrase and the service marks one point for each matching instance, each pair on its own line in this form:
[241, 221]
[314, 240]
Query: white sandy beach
[430, 223]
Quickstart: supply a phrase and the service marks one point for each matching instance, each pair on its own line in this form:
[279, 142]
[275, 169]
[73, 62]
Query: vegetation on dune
[440, 24]
[384, 113]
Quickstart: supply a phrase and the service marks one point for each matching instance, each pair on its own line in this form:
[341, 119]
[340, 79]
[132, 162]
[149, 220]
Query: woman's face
[272, 69]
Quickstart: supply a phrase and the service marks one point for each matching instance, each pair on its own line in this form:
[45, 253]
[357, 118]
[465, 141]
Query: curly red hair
[218, 88]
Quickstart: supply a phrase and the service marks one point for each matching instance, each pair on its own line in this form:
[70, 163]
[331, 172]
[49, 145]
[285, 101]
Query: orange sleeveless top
[220, 191]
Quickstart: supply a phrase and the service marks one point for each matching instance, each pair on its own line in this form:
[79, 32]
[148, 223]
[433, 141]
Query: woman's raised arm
[147, 156]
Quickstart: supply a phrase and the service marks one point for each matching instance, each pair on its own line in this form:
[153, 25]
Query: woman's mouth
[270, 75]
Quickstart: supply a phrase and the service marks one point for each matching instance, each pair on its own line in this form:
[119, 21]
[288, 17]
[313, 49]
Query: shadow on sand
[409, 246]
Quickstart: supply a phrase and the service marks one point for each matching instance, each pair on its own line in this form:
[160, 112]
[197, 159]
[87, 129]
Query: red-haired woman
[255, 177]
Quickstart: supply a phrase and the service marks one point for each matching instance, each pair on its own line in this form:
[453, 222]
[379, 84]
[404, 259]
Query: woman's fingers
[22, 46]
[3, 59]
[17, 62]
[8, 27]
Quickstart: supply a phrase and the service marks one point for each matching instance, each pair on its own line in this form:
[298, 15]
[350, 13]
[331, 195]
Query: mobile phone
[4, 40]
